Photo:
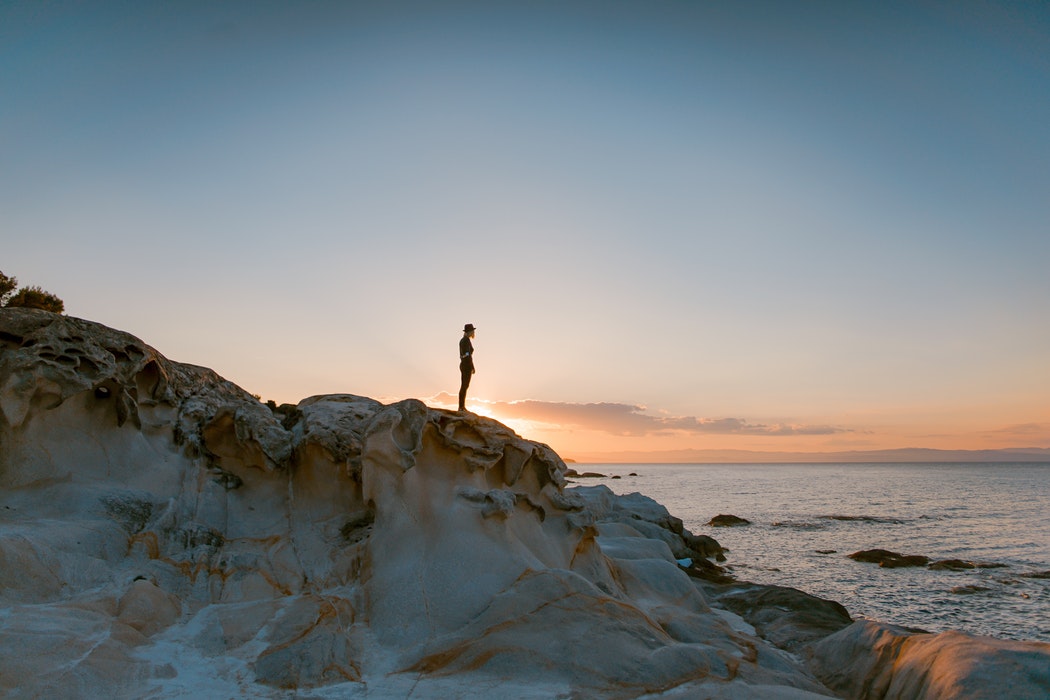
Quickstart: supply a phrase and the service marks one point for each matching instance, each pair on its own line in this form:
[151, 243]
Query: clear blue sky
[813, 225]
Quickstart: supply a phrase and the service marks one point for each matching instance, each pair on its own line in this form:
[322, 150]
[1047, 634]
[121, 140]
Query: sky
[772, 226]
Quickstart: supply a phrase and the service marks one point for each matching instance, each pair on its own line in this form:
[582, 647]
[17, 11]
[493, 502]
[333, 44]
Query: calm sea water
[986, 513]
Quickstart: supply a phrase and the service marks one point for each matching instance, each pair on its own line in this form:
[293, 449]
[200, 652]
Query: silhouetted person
[466, 363]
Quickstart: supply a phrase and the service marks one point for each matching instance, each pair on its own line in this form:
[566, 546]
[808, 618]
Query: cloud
[1032, 434]
[633, 421]
[1035, 429]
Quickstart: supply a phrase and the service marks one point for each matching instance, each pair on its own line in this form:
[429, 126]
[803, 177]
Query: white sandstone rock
[164, 534]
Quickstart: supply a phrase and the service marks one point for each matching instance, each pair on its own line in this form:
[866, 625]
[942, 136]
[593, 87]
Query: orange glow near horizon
[736, 258]
[593, 443]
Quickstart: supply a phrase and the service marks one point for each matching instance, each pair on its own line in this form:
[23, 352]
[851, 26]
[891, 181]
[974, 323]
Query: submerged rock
[861, 519]
[952, 565]
[888, 559]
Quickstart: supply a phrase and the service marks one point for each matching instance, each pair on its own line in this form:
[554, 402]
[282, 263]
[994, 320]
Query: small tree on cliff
[7, 287]
[28, 297]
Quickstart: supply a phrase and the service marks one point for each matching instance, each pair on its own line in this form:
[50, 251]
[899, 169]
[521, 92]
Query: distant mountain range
[907, 454]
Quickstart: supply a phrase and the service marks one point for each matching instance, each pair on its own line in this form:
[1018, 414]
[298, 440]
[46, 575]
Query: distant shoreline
[1032, 455]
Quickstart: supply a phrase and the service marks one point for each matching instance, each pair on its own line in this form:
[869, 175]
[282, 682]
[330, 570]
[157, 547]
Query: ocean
[806, 519]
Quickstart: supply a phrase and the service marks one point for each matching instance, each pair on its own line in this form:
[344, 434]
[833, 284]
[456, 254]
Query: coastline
[985, 520]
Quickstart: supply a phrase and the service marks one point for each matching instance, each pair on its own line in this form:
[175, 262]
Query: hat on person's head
[468, 328]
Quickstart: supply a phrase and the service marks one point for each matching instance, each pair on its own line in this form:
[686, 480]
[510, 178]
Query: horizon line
[904, 455]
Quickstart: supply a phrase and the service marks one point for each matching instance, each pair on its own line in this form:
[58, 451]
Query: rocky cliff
[164, 534]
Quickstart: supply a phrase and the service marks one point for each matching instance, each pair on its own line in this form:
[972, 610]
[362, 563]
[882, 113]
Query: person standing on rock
[466, 363]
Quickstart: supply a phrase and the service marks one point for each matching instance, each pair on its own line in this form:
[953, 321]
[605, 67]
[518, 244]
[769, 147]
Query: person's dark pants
[464, 382]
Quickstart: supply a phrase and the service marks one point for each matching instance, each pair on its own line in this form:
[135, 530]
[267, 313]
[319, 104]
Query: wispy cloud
[635, 421]
[1039, 429]
[1024, 434]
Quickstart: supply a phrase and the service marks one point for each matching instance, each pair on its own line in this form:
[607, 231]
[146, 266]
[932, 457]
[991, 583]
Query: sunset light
[678, 227]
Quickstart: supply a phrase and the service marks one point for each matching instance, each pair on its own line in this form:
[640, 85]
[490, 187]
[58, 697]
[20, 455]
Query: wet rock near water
[894, 560]
[705, 545]
[706, 570]
[952, 565]
[888, 559]
[962, 565]
[723, 520]
[787, 617]
[573, 474]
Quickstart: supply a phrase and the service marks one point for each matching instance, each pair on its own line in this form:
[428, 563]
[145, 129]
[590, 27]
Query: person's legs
[463, 384]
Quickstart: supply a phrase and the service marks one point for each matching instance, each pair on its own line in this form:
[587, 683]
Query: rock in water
[952, 565]
[165, 534]
[723, 520]
[888, 559]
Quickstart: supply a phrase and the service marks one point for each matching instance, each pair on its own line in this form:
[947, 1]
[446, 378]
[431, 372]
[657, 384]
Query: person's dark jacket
[466, 355]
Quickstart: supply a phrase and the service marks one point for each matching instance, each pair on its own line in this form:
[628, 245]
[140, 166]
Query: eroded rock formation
[874, 660]
[162, 531]
[164, 534]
